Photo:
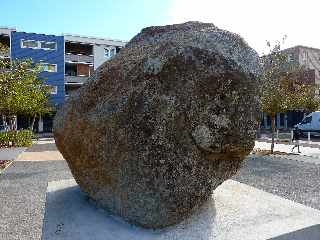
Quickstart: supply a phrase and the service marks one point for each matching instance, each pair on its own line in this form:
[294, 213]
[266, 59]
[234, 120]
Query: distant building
[68, 60]
[310, 59]
[85, 54]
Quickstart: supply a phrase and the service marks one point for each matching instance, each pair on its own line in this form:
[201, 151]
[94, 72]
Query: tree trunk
[5, 124]
[259, 131]
[273, 128]
[13, 123]
[32, 123]
[259, 127]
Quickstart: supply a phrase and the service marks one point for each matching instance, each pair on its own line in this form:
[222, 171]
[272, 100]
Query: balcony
[75, 79]
[78, 52]
[78, 58]
[5, 42]
[77, 73]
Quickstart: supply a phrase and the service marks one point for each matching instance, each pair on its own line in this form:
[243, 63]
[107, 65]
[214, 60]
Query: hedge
[21, 138]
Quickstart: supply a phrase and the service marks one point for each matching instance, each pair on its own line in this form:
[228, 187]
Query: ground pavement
[23, 190]
[308, 153]
[23, 185]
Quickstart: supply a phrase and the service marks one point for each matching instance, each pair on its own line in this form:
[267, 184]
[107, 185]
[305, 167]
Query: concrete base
[236, 211]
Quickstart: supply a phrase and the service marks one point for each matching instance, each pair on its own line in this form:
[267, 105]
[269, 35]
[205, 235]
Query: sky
[255, 20]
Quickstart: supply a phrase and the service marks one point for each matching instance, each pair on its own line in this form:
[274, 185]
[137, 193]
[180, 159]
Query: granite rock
[156, 129]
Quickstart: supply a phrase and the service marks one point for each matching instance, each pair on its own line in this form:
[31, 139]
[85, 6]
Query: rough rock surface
[161, 125]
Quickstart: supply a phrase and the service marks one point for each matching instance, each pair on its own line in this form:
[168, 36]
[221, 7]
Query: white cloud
[256, 20]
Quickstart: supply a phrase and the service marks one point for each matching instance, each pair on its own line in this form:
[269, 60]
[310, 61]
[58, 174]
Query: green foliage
[283, 89]
[304, 97]
[21, 90]
[3, 49]
[22, 138]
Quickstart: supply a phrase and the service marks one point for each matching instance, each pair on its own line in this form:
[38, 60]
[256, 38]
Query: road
[291, 179]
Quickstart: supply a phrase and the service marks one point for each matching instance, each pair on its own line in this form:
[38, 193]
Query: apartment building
[46, 50]
[85, 54]
[310, 59]
[68, 60]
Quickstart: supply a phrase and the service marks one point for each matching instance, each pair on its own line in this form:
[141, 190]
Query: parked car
[311, 123]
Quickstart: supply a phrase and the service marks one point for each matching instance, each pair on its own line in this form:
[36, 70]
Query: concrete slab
[42, 150]
[11, 153]
[235, 211]
[40, 156]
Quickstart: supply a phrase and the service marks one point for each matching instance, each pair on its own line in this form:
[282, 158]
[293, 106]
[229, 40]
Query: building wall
[293, 58]
[310, 57]
[307, 57]
[45, 56]
[99, 58]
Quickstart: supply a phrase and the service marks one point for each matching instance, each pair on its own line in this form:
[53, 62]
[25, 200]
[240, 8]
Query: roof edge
[92, 37]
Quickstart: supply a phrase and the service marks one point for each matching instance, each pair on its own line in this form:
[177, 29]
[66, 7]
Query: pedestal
[236, 211]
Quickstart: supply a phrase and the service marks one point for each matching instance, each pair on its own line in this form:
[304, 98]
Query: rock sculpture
[156, 129]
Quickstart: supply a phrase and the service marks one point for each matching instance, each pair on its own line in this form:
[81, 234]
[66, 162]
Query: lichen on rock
[156, 129]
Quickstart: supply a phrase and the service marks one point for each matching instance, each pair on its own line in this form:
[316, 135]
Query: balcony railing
[75, 79]
[78, 58]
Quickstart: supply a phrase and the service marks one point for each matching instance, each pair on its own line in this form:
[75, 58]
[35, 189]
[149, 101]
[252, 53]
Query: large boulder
[156, 129]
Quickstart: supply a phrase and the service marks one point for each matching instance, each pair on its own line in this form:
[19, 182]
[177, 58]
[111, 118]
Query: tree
[283, 89]
[21, 90]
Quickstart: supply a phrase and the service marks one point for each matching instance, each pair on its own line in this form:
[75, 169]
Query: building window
[118, 49]
[112, 52]
[290, 57]
[29, 44]
[109, 52]
[305, 56]
[48, 67]
[48, 45]
[38, 44]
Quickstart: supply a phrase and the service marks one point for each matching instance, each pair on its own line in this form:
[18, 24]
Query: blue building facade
[67, 63]
[48, 50]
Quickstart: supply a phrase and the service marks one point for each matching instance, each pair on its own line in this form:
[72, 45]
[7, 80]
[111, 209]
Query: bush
[22, 138]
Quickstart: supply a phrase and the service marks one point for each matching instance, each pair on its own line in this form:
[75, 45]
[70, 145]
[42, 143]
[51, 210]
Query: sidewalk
[11, 153]
[42, 150]
[312, 152]
[314, 141]
[23, 190]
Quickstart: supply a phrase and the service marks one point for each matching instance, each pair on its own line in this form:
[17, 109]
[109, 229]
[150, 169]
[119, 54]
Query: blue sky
[120, 19]
[256, 21]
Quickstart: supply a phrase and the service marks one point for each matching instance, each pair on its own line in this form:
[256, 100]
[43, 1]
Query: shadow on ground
[309, 233]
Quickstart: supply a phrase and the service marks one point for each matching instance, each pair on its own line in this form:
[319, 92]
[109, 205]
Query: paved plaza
[23, 185]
